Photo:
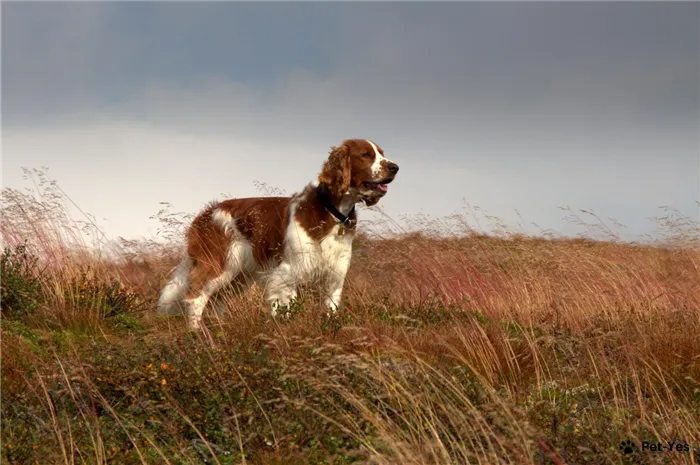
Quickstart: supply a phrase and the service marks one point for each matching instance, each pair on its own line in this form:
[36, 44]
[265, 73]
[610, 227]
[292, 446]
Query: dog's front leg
[334, 289]
[280, 289]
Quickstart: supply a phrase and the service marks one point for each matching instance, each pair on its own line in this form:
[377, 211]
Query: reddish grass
[467, 348]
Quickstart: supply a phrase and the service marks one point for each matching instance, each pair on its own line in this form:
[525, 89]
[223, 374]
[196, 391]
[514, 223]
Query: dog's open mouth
[379, 185]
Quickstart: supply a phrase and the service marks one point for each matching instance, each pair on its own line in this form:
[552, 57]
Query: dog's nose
[393, 168]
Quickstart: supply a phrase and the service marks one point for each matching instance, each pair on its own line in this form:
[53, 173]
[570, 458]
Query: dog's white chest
[337, 248]
[310, 258]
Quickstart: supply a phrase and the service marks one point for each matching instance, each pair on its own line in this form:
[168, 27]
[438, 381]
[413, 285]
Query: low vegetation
[460, 348]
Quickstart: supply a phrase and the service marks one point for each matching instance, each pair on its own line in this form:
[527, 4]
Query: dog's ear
[335, 173]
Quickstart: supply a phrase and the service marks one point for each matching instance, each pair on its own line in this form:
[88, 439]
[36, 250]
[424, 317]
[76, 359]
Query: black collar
[328, 205]
[339, 216]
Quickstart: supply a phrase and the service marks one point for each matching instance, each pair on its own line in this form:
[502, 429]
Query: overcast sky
[505, 106]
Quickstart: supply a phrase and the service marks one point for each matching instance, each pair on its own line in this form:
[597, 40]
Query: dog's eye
[367, 155]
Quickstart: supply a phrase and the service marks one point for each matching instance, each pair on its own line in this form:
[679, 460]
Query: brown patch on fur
[207, 246]
[206, 242]
[336, 171]
[263, 221]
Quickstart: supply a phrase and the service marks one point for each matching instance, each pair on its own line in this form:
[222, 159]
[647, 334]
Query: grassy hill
[467, 349]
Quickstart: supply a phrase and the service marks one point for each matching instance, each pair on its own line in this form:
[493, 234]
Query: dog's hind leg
[236, 260]
[172, 294]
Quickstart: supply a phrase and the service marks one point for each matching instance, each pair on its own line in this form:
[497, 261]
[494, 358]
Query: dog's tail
[169, 302]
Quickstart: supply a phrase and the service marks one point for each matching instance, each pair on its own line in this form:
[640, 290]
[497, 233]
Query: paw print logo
[627, 447]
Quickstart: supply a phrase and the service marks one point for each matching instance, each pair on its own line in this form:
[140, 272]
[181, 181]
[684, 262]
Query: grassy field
[467, 349]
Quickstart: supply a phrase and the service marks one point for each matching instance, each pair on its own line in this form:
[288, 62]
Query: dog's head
[358, 166]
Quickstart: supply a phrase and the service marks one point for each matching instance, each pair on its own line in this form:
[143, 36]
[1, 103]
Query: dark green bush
[20, 286]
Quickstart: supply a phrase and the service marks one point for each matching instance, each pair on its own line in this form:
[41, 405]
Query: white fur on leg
[282, 299]
[195, 309]
[333, 302]
[175, 290]
[334, 289]
[279, 288]
[336, 280]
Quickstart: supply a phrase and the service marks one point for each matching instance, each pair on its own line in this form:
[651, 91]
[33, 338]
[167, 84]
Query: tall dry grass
[451, 348]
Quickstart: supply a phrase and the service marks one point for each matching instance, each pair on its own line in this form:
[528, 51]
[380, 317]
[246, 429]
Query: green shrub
[20, 286]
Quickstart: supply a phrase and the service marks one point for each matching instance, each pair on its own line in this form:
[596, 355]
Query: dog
[280, 242]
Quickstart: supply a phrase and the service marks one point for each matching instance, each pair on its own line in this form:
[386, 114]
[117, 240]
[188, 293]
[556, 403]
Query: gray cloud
[507, 105]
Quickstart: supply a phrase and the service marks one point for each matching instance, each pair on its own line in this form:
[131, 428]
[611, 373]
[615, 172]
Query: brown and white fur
[280, 242]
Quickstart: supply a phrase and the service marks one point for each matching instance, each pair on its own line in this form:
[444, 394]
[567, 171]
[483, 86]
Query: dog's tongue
[383, 187]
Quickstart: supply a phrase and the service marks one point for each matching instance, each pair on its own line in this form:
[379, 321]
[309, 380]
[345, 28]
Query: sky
[514, 108]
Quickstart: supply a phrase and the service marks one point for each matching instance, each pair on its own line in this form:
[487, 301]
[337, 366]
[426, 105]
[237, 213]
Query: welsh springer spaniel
[280, 242]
